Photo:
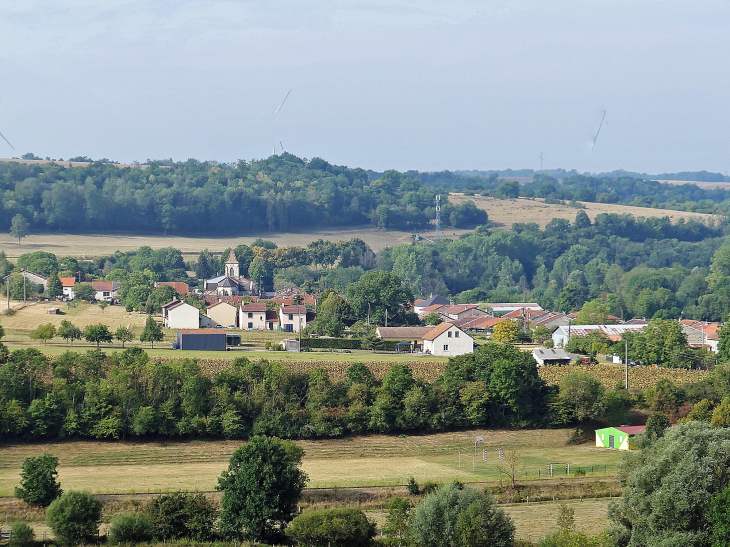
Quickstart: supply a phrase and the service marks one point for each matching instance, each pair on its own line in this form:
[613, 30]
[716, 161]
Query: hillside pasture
[505, 212]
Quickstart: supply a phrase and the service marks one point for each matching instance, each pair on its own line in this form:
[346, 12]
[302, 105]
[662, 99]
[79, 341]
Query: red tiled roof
[632, 429]
[179, 286]
[258, 307]
[437, 331]
[105, 285]
[67, 281]
[293, 309]
[214, 304]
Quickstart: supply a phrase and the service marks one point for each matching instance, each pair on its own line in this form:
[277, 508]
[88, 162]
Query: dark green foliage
[74, 518]
[347, 343]
[669, 486]
[84, 291]
[656, 426]
[38, 485]
[130, 528]
[413, 488]
[182, 515]
[152, 332]
[718, 516]
[376, 292]
[21, 535]
[261, 489]
[342, 527]
[397, 519]
[496, 385]
[54, 285]
[460, 517]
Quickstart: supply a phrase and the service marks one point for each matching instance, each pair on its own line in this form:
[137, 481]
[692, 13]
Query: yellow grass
[505, 212]
[132, 467]
[534, 521]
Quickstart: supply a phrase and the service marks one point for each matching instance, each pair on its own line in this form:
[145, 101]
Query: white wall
[456, 345]
[257, 319]
[183, 316]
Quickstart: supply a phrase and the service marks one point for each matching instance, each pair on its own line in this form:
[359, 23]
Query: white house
[223, 313]
[181, 315]
[447, 340]
[293, 318]
[105, 290]
[253, 316]
[68, 287]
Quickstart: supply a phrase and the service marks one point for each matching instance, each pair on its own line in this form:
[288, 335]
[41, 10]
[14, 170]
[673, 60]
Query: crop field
[611, 374]
[86, 246]
[505, 212]
[137, 467]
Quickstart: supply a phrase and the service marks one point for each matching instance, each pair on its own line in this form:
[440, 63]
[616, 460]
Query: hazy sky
[425, 85]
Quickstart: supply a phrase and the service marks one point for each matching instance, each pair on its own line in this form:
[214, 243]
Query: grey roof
[434, 300]
[549, 354]
[228, 282]
[217, 279]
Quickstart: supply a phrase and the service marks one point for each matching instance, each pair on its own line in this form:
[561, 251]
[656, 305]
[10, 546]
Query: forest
[284, 193]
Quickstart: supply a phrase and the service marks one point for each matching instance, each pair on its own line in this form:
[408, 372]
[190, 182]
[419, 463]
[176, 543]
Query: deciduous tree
[97, 334]
[74, 518]
[38, 485]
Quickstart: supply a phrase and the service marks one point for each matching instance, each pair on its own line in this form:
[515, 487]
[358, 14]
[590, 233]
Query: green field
[132, 467]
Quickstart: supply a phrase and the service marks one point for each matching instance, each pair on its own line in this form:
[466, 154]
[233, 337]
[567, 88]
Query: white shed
[447, 340]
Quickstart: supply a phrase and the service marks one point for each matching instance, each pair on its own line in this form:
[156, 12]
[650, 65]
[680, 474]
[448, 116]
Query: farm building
[551, 357]
[35, 279]
[507, 307]
[181, 315]
[447, 340]
[202, 339]
[619, 438]
[414, 335]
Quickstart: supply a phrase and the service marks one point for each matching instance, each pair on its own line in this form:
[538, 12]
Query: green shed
[618, 438]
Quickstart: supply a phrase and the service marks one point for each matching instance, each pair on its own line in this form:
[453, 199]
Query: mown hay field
[505, 212]
[374, 460]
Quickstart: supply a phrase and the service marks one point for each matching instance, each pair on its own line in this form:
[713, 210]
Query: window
[250, 315]
[449, 335]
[603, 436]
[250, 325]
[446, 347]
[456, 334]
[291, 317]
[105, 293]
[288, 328]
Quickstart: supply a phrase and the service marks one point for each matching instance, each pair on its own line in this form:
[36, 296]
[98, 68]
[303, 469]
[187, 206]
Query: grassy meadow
[124, 467]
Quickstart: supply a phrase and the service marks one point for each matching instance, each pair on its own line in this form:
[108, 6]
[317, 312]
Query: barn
[619, 438]
[201, 339]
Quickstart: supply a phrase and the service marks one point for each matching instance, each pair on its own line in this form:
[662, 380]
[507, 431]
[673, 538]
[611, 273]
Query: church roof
[231, 258]
[227, 282]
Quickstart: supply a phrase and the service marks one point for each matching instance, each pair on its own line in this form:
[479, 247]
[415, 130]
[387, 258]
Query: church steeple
[232, 268]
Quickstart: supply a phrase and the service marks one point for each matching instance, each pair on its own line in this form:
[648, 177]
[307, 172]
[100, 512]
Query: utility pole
[299, 313]
[626, 360]
[7, 281]
[438, 217]
[24, 291]
[386, 317]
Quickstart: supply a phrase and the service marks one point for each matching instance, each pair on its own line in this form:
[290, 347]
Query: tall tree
[19, 227]
[261, 488]
[152, 332]
[55, 289]
[380, 292]
[97, 334]
[38, 485]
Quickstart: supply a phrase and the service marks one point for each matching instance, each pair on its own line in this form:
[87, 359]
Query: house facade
[448, 341]
[222, 313]
[35, 279]
[293, 318]
[181, 315]
[253, 317]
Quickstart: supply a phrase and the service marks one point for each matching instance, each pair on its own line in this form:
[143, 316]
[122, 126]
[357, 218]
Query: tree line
[279, 193]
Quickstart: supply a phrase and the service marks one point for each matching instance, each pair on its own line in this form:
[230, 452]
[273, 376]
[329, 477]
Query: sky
[425, 85]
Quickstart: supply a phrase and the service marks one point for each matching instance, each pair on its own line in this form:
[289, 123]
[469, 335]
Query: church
[231, 283]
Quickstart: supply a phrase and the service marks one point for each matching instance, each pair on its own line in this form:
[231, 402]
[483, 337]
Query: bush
[38, 484]
[181, 515]
[74, 518]
[342, 527]
[21, 535]
[130, 528]
[413, 488]
[459, 517]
